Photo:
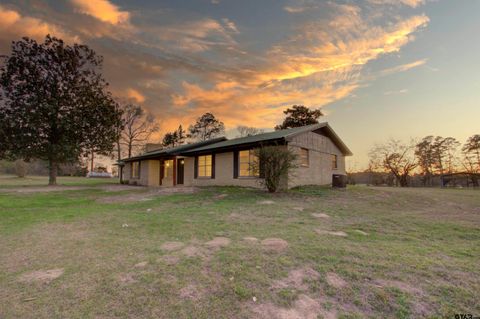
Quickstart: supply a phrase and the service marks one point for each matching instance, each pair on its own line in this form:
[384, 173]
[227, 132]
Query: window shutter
[213, 166]
[235, 164]
[195, 167]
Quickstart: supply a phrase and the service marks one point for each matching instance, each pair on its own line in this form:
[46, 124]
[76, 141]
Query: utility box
[339, 181]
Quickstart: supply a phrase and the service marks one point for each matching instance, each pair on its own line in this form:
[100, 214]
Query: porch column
[174, 175]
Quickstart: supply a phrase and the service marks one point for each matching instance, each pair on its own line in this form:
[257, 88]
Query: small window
[334, 161]
[205, 166]
[135, 170]
[304, 160]
[248, 164]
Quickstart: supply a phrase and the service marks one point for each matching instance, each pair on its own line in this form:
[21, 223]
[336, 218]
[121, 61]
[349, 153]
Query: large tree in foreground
[206, 127]
[54, 104]
[299, 115]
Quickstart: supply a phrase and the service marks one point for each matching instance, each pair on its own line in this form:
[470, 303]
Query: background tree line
[425, 162]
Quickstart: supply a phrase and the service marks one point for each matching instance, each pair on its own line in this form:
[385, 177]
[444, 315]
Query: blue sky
[379, 68]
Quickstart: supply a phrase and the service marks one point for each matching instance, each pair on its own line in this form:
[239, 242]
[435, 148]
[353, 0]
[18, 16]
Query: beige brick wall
[223, 173]
[319, 170]
[149, 173]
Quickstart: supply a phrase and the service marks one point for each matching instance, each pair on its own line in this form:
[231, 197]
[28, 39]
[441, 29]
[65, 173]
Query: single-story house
[223, 162]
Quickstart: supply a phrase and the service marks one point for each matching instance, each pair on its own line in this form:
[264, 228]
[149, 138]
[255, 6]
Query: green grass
[419, 259]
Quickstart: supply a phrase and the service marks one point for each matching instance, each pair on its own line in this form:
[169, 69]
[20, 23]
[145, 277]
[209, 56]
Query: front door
[180, 166]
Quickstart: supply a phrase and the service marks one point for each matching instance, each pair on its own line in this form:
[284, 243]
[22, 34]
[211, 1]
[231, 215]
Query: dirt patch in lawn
[41, 189]
[143, 195]
[170, 260]
[172, 245]
[42, 275]
[335, 280]
[333, 233]
[193, 251]
[274, 244]
[320, 215]
[297, 278]
[192, 292]
[405, 287]
[127, 278]
[142, 264]
[304, 307]
[218, 242]
[266, 202]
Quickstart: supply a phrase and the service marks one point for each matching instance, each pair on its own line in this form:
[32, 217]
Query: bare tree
[424, 152]
[244, 131]
[471, 158]
[273, 164]
[138, 126]
[396, 158]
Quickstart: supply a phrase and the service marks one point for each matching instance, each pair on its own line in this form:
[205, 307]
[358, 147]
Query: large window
[135, 169]
[334, 161]
[304, 161]
[205, 166]
[248, 164]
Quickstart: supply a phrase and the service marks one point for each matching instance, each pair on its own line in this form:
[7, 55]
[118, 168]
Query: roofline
[234, 147]
[335, 138]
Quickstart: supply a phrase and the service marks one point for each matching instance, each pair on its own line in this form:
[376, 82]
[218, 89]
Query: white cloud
[102, 10]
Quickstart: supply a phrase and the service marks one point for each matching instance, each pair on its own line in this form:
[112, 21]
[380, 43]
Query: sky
[379, 69]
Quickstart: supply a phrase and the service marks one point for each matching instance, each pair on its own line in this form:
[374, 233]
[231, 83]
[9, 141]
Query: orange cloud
[135, 95]
[13, 24]
[103, 10]
[410, 3]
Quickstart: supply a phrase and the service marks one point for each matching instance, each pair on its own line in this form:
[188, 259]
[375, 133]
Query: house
[224, 162]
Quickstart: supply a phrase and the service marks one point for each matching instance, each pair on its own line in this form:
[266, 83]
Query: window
[304, 157]
[167, 167]
[205, 166]
[334, 162]
[248, 164]
[135, 170]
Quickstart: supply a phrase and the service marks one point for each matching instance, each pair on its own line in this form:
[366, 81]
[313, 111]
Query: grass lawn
[90, 249]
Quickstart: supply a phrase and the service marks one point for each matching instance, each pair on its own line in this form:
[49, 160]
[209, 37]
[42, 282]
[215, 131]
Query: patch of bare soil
[218, 242]
[170, 260]
[121, 187]
[127, 278]
[333, 233]
[274, 244]
[220, 196]
[193, 251]
[297, 278]
[405, 287]
[335, 280]
[42, 275]
[304, 307]
[191, 292]
[142, 264]
[41, 189]
[172, 245]
[148, 195]
[320, 215]
[266, 202]
[298, 208]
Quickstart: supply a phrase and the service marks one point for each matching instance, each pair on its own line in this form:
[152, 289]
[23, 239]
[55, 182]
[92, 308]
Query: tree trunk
[91, 164]
[119, 151]
[52, 172]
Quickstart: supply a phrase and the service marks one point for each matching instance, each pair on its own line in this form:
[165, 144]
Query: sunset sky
[378, 68]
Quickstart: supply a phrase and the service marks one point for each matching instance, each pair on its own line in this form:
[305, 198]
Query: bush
[274, 164]
[21, 168]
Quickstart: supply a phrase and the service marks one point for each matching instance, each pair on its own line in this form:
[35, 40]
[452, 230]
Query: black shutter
[213, 165]
[195, 167]
[235, 164]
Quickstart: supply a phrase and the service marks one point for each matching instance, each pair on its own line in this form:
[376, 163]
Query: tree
[395, 158]
[206, 127]
[54, 103]
[137, 126]
[299, 115]
[21, 168]
[274, 162]
[444, 154]
[175, 138]
[471, 158]
[244, 131]
[424, 151]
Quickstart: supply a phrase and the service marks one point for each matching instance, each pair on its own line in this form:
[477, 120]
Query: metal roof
[283, 135]
[223, 143]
